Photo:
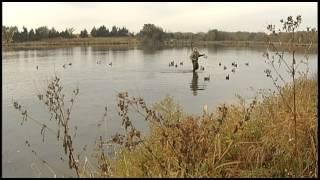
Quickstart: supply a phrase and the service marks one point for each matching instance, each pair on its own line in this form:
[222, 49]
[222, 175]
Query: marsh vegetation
[273, 134]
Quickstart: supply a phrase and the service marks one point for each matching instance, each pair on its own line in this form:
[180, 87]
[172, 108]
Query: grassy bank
[253, 44]
[131, 42]
[237, 140]
[60, 43]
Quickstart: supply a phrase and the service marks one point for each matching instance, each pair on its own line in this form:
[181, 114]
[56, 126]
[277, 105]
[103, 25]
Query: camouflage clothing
[194, 58]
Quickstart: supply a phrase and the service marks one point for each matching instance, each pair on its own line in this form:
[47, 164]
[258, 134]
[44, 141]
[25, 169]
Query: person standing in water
[194, 58]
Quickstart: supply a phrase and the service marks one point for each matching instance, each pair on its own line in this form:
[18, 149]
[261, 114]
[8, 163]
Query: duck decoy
[176, 65]
[70, 64]
[225, 67]
[202, 68]
[227, 77]
[207, 78]
[181, 63]
[37, 67]
[219, 63]
[110, 64]
[247, 64]
[64, 66]
[233, 70]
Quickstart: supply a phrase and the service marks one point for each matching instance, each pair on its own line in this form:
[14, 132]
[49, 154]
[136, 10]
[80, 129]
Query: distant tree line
[150, 34]
[215, 35]
[102, 31]
[13, 34]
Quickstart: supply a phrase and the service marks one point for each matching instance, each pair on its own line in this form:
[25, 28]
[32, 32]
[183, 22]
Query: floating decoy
[219, 63]
[64, 66]
[70, 64]
[247, 64]
[227, 77]
[225, 67]
[233, 70]
[181, 63]
[176, 65]
[234, 64]
[207, 78]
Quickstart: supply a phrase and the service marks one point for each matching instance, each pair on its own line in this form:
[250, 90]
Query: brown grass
[258, 146]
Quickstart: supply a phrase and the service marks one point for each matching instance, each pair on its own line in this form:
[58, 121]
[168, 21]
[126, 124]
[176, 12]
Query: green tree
[114, 31]
[123, 32]
[200, 36]
[102, 31]
[16, 36]
[151, 35]
[8, 33]
[31, 35]
[211, 35]
[93, 32]
[42, 33]
[67, 33]
[53, 33]
[24, 34]
[84, 34]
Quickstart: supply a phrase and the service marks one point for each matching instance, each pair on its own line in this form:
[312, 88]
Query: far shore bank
[127, 42]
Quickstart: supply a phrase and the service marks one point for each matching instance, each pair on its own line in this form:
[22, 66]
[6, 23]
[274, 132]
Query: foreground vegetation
[272, 135]
[248, 139]
[243, 140]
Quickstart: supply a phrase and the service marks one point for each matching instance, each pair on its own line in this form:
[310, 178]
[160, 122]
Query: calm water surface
[140, 72]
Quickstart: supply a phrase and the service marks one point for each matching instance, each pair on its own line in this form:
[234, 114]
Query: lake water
[140, 72]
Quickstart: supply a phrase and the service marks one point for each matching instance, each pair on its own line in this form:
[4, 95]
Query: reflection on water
[84, 50]
[194, 86]
[67, 52]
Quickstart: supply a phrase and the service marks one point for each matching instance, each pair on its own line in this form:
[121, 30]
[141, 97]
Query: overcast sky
[173, 17]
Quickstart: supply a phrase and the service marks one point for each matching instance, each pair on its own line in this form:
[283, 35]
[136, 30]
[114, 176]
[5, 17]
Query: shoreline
[129, 42]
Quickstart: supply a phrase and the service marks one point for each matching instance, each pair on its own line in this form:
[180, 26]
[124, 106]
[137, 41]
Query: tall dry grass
[254, 140]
